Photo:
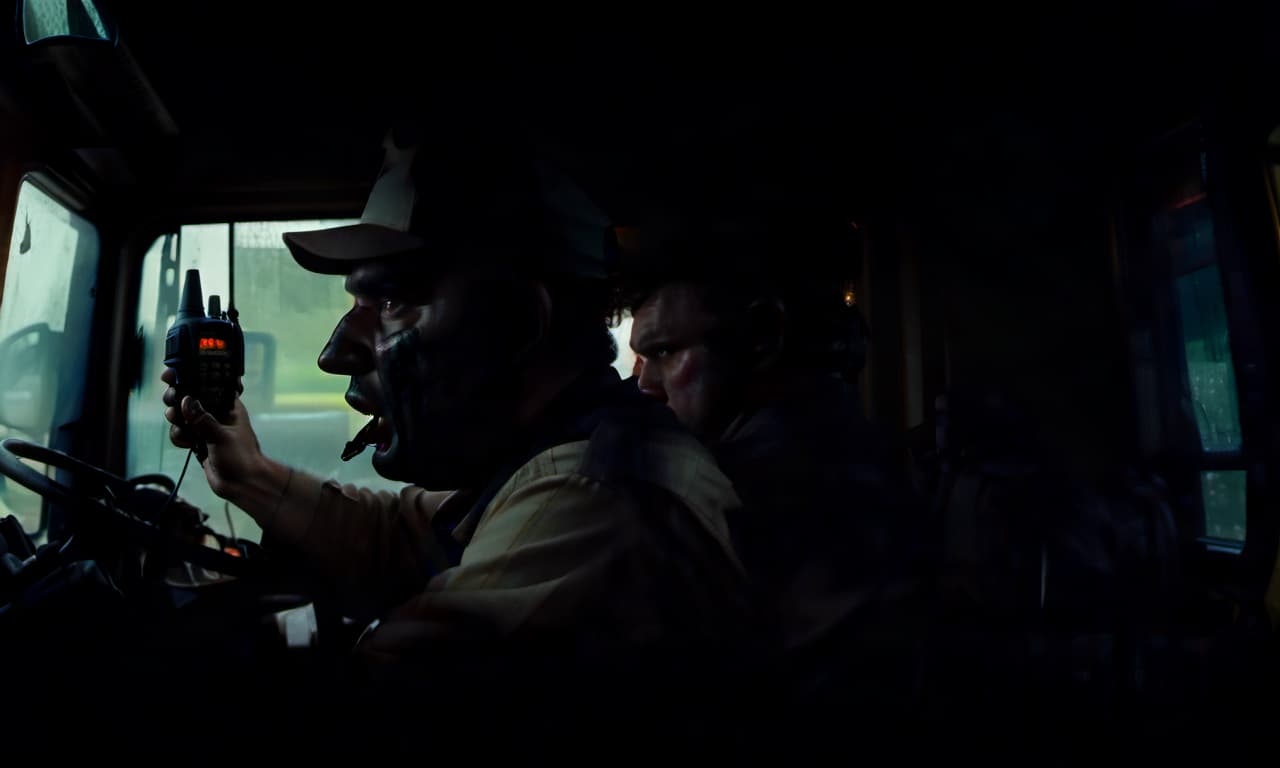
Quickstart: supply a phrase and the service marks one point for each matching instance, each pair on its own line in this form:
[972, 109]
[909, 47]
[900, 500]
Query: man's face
[429, 362]
[696, 380]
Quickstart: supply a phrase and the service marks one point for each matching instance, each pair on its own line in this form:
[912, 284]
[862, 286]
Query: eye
[391, 308]
[661, 352]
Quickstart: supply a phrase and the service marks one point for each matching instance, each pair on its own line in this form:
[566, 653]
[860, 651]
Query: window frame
[1148, 289]
[1234, 149]
[1232, 152]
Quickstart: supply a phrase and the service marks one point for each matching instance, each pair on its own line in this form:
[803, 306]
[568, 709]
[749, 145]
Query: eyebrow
[646, 340]
[365, 282]
[383, 281]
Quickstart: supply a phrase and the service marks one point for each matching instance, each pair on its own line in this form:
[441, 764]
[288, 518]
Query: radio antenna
[192, 303]
[232, 313]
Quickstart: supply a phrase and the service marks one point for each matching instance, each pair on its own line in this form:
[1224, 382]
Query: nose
[649, 380]
[349, 351]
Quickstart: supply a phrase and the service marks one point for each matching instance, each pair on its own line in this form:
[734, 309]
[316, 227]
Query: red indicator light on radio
[213, 344]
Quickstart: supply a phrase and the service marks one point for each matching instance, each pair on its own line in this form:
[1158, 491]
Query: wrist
[259, 490]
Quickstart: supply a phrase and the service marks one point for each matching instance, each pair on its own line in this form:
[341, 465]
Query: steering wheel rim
[13, 450]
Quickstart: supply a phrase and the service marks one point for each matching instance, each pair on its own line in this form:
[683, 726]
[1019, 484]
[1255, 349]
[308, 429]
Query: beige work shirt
[558, 549]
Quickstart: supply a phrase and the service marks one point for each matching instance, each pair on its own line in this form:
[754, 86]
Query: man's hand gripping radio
[207, 352]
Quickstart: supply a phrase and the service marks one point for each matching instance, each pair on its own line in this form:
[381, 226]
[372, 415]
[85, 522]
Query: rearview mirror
[41, 20]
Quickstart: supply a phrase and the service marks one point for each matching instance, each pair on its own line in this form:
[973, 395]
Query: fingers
[171, 397]
[174, 416]
[179, 437]
[191, 423]
[192, 410]
[196, 417]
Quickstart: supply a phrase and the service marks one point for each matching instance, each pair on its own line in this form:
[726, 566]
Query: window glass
[625, 362]
[45, 315]
[1187, 231]
[1207, 352]
[58, 18]
[1224, 504]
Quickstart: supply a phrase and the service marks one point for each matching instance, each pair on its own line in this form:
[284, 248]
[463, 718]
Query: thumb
[201, 422]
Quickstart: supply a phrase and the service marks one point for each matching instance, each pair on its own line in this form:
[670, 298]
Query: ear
[766, 322]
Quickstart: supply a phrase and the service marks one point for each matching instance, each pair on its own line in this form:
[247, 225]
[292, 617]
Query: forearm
[363, 541]
[372, 546]
[279, 498]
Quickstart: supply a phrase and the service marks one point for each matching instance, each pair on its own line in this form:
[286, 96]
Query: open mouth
[378, 433]
[382, 433]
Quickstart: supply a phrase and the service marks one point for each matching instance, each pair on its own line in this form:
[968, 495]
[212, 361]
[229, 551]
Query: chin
[393, 463]
[386, 464]
[432, 473]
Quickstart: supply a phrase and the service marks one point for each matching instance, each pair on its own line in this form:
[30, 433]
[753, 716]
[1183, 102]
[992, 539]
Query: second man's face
[670, 332]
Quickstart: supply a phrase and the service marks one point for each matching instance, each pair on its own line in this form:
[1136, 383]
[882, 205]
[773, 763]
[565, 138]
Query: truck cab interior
[1069, 250]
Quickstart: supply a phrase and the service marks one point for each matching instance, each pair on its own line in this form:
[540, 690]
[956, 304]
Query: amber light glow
[213, 344]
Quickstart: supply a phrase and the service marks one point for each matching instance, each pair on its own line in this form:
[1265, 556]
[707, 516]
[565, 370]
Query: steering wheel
[153, 535]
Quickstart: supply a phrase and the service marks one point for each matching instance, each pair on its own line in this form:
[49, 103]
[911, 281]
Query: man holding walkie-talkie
[583, 547]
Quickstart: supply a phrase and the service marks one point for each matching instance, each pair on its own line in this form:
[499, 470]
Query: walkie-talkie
[207, 351]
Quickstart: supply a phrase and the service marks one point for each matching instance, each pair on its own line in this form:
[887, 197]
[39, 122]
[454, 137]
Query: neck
[539, 387]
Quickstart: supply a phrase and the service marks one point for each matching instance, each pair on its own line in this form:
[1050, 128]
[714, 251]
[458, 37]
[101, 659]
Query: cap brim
[338, 250]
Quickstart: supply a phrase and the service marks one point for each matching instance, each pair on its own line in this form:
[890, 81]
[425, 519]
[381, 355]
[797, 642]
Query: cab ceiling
[215, 104]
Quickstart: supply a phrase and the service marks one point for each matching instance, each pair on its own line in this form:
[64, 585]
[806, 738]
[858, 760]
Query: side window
[1207, 368]
[625, 362]
[1188, 396]
[45, 316]
[298, 411]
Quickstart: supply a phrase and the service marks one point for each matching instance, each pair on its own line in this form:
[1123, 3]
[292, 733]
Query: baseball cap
[442, 196]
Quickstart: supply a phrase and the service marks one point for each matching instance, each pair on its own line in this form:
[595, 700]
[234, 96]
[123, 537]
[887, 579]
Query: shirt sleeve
[531, 557]
[566, 556]
[375, 548]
